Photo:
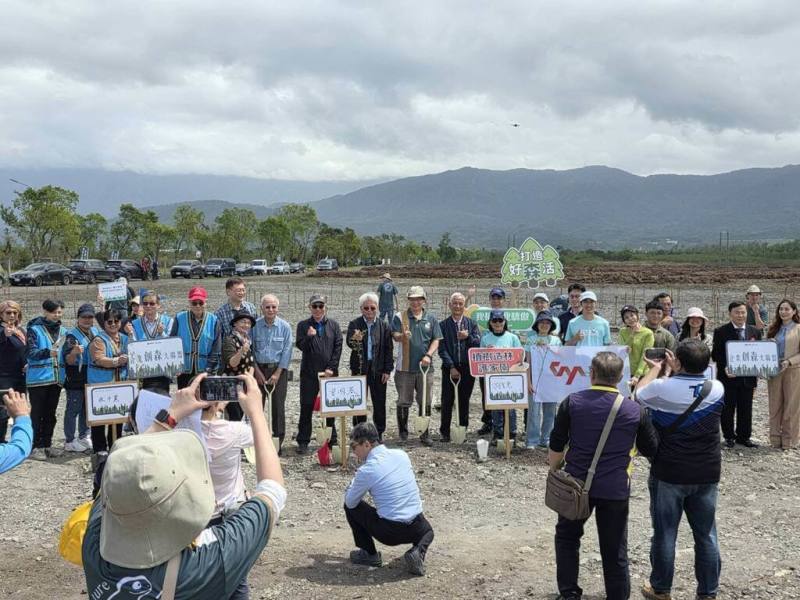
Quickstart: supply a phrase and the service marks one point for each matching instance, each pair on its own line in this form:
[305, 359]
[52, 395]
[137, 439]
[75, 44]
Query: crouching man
[397, 515]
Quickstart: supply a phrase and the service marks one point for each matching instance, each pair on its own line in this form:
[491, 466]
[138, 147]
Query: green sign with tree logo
[531, 264]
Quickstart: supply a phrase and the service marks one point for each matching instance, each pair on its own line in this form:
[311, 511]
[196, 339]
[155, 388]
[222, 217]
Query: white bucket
[483, 449]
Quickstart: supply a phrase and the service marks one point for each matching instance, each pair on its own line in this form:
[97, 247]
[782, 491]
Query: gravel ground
[494, 536]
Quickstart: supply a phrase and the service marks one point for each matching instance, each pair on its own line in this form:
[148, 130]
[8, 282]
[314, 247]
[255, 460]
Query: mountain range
[592, 206]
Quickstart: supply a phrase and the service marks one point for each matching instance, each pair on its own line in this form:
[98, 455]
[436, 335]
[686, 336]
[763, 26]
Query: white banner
[557, 371]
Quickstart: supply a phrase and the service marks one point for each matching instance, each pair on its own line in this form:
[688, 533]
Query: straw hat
[696, 312]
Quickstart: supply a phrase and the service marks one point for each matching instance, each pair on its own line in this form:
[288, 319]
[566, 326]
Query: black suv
[220, 267]
[90, 270]
[123, 267]
[188, 269]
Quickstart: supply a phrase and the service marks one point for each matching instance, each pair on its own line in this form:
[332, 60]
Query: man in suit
[370, 340]
[459, 334]
[738, 390]
[320, 340]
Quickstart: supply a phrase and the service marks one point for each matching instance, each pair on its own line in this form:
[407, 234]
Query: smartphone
[221, 389]
[655, 353]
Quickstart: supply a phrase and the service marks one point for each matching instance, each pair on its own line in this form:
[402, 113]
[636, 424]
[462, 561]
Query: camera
[221, 389]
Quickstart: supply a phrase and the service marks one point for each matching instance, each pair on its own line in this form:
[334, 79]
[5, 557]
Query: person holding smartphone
[19, 447]
[12, 355]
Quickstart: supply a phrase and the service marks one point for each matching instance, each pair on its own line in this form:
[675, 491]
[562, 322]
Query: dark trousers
[377, 392]
[184, 379]
[44, 402]
[309, 388]
[367, 526]
[102, 438]
[738, 404]
[611, 517]
[465, 386]
[277, 418]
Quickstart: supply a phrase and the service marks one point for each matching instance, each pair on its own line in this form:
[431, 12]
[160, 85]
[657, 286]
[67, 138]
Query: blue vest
[98, 374]
[83, 339]
[196, 351]
[48, 370]
[141, 331]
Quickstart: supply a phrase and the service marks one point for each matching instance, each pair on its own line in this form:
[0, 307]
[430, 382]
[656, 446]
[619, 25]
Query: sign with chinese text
[531, 264]
[507, 390]
[483, 361]
[108, 403]
[161, 357]
[519, 319]
[116, 290]
[753, 359]
[342, 396]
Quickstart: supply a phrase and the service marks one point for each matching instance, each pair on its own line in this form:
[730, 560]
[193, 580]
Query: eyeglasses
[149, 303]
[270, 306]
[317, 305]
[112, 321]
[198, 302]
[369, 308]
[498, 320]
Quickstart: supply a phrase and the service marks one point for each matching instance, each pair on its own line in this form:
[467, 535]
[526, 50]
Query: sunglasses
[498, 320]
[112, 321]
[149, 303]
[198, 302]
[369, 308]
[317, 305]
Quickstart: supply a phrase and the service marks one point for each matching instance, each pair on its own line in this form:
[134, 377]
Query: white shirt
[225, 440]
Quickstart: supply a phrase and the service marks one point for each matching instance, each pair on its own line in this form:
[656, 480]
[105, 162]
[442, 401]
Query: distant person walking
[387, 299]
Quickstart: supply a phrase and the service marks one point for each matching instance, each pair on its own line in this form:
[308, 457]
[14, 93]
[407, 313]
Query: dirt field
[494, 537]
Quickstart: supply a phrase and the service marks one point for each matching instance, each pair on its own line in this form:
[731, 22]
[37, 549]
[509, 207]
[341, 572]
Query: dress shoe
[748, 444]
[730, 443]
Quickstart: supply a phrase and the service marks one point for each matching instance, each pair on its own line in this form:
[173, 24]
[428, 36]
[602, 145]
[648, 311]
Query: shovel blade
[250, 455]
[421, 424]
[322, 434]
[276, 441]
[336, 452]
[458, 434]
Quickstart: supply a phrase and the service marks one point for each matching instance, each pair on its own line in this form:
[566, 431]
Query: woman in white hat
[694, 327]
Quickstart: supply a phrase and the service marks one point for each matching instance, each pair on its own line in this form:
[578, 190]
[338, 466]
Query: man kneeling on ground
[147, 534]
[397, 515]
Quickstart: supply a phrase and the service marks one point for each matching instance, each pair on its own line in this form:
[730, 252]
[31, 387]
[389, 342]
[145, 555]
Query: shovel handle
[424, 370]
[455, 383]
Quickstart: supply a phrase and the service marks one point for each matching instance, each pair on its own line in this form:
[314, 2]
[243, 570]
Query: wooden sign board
[343, 396]
[108, 403]
[115, 290]
[753, 358]
[507, 391]
[160, 357]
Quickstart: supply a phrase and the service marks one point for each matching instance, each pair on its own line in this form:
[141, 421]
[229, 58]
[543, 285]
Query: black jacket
[382, 346]
[724, 334]
[320, 352]
[453, 351]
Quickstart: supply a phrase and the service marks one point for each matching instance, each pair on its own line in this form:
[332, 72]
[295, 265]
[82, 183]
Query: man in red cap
[201, 333]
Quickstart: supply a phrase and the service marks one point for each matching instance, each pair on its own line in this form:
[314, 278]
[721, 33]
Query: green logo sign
[531, 264]
[519, 319]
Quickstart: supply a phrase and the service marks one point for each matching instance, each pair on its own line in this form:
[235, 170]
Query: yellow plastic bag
[71, 542]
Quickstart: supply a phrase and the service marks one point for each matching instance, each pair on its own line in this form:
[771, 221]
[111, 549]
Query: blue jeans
[544, 413]
[76, 408]
[498, 421]
[668, 502]
[387, 314]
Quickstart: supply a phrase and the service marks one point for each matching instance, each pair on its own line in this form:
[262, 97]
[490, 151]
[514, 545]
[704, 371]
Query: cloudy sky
[357, 90]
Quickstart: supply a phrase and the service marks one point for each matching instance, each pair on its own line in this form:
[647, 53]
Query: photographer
[149, 524]
[15, 451]
[685, 472]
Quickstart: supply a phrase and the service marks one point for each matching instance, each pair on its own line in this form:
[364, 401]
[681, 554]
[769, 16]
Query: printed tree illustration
[531, 264]
[552, 267]
[511, 273]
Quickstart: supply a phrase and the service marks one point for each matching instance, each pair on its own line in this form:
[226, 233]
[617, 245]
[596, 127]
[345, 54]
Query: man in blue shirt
[397, 516]
[272, 347]
[387, 298]
[16, 450]
[589, 328]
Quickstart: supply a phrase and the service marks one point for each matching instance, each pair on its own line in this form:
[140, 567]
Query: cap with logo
[198, 293]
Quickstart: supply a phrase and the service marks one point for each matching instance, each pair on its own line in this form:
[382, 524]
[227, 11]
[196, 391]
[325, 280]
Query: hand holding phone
[221, 389]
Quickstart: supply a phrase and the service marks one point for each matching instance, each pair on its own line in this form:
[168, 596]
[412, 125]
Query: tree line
[43, 223]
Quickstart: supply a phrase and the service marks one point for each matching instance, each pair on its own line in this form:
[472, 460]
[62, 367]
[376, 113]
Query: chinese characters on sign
[109, 403]
[162, 357]
[507, 390]
[532, 264]
[753, 359]
[483, 361]
[341, 396]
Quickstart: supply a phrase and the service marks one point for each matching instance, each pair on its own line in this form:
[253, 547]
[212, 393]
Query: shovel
[321, 433]
[458, 432]
[276, 441]
[422, 422]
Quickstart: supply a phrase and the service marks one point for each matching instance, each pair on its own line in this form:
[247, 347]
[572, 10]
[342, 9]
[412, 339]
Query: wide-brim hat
[238, 316]
[545, 315]
[416, 291]
[387, 276]
[157, 496]
[753, 289]
[696, 312]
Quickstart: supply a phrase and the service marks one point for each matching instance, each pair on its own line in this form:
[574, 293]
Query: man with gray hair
[370, 342]
[388, 476]
[459, 334]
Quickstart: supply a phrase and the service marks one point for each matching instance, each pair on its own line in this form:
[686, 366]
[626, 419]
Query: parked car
[328, 264]
[41, 273]
[297, 267]
[260, 266]
[188, 269]
[125, 267]
[91, 270]
[279, 267]
[244, 270]
[220, 267]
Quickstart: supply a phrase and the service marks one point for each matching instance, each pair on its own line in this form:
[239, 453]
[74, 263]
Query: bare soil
[494, 536]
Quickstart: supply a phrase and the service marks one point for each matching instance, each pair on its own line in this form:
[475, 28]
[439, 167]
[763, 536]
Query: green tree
[187, 221]
[274, 237]
[447, 253]
[303, 226]
[157, 237]
[234, 230]
[128, 230]
[93, 232]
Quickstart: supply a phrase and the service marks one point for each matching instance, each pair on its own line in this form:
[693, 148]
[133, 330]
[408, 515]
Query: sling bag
[568, 495]
[704, 392]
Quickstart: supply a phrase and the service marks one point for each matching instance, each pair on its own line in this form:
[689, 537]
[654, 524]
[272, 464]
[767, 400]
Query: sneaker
[86, 442]
[649, 593]
[53, 452]
[414, 562]
[38, 454]
[362, 557]
[74, 446]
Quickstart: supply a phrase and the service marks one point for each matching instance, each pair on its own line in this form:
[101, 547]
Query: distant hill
[103, 191]
[587, 207]
[210, 208]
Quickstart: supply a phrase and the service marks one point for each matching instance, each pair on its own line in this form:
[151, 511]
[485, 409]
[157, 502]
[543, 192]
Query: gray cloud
[321, 90]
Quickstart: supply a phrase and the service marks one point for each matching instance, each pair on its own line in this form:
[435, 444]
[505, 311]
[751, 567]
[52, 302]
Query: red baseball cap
[198, 293]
